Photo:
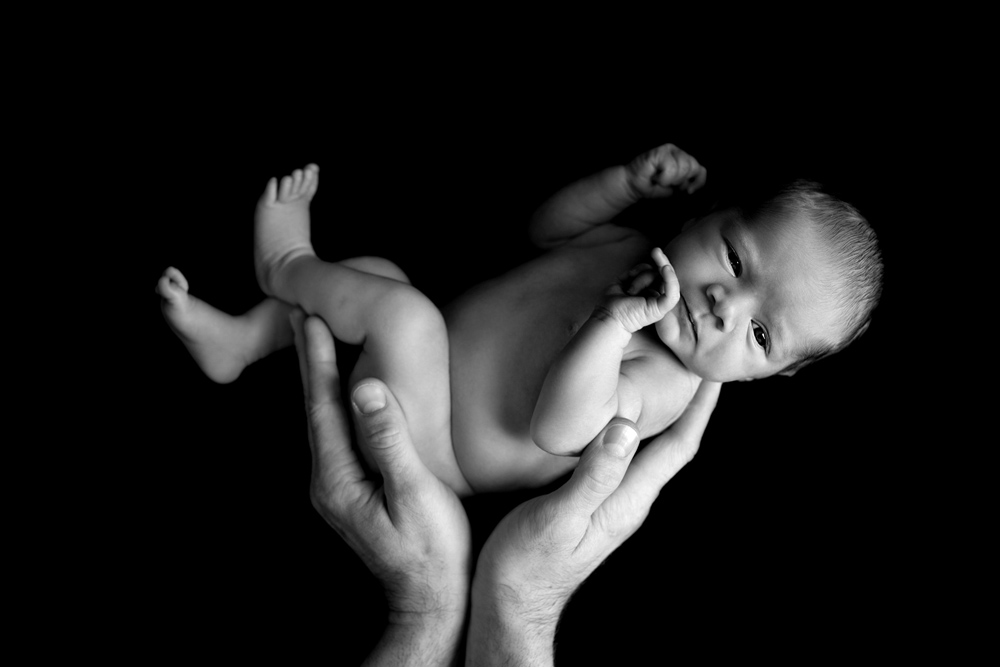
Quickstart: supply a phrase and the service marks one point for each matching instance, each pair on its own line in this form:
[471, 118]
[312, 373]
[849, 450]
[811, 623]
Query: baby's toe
[172, 286]
[285, 191]
[310, 180]
[270, 192]
[176, 277]
[170, 291]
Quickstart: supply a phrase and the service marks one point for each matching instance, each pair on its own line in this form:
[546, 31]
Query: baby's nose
[723, 307]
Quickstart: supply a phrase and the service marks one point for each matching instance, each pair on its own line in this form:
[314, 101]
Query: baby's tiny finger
[641, 282]
[684, 166]
[637, 269]
[698, 180]
[671, 288]
[692, 167]
[660, 258]
[666, 167]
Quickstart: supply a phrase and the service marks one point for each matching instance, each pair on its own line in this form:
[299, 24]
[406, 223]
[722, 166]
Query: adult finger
[601, 469]
[323, 377]
[297, 318]
[670, 451]
[382, 428]
[337, 467]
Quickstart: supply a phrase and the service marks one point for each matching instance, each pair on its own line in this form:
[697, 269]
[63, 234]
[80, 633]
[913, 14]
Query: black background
[798, 518]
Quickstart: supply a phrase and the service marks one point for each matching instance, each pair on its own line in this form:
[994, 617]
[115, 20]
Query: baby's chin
[712, 374]
[679, 351]
[668, 330]
[683, 356]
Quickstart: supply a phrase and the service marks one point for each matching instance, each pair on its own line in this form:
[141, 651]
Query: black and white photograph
[454, 369]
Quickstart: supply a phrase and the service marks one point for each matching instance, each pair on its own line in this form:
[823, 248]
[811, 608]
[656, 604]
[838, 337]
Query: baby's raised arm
[597, 199]
[586, 386]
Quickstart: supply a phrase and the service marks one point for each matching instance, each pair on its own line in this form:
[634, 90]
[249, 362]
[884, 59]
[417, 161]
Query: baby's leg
[222, 344]
[404, 339]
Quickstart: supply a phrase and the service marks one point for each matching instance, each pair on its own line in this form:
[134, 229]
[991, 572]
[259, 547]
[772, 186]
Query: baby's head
[772, 284]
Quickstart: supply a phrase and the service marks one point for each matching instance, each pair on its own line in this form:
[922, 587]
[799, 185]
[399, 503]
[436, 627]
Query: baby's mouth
[687, 312]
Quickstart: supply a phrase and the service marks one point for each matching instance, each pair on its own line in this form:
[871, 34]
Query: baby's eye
[734, 260]
[760, 335]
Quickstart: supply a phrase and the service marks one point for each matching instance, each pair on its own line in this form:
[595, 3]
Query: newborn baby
[504, 387]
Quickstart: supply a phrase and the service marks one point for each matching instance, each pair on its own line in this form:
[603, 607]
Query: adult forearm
[580, 206]
[503, 635]
[430, 643]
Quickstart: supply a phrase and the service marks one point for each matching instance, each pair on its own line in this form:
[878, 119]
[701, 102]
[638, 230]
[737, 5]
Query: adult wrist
[420, 621]
[428, 643]
[505, 632]
[529, 612]
[421, 595]
[435, 617]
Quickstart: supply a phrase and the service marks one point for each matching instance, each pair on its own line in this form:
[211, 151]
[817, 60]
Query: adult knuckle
[319, 412]
[383, 433]
[610, 528]
[601, 480]
[322, 499]
[545, 517]
[327, 502]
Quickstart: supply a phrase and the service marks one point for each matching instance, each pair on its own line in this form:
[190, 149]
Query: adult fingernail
[368, 398]
[619, 440]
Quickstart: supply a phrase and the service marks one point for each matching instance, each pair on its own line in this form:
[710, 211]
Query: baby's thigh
[408, 351]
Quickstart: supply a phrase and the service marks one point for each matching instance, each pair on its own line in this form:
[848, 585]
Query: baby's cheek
[668, 330]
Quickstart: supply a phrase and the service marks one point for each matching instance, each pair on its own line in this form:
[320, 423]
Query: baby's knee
[378, 266]
[411, 313]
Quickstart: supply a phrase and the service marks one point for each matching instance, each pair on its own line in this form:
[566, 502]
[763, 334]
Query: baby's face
[749, 296]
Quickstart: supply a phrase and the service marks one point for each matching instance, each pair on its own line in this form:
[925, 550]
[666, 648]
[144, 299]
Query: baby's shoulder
[606, 251]
[662, 384]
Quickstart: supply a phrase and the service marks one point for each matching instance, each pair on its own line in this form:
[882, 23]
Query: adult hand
[410, 530]
[543, 550]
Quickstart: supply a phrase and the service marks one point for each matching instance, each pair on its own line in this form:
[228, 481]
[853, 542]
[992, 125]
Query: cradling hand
[543, 550]
[410, 529]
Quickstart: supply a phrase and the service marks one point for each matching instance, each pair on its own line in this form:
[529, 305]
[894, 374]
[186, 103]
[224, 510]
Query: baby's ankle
[281, 277]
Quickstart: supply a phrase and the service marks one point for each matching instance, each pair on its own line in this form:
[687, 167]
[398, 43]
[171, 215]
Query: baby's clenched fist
[662, 171]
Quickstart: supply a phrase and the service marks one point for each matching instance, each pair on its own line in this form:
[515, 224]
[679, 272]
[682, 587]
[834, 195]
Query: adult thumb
[382, 430]
[602, 467]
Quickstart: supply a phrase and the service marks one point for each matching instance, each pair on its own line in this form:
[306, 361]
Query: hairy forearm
[504, 634]
[581, 206]
[432, 642]
[580, 392]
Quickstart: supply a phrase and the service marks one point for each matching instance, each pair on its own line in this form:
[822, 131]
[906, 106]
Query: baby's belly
[503, 337]
[493, 460]
[499, 359]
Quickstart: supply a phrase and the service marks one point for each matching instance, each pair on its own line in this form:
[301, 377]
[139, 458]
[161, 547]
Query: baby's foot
[281, 229]
[217, 341]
